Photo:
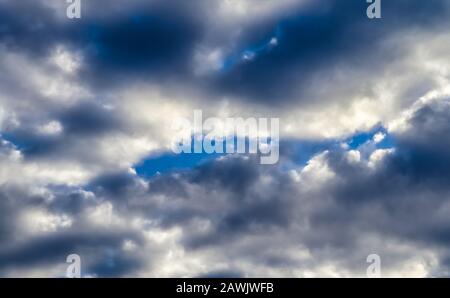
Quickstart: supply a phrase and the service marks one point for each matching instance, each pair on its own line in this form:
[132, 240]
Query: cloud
[364, 109]
[272, 222]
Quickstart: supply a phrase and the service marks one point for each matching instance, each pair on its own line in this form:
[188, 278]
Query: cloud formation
[87, 105]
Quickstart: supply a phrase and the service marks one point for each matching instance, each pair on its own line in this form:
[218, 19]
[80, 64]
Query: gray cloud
[74, 122]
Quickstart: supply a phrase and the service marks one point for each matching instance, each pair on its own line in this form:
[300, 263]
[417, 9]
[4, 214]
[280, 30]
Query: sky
[86, 113]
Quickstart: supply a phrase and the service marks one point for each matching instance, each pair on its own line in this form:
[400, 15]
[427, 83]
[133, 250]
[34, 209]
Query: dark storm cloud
[8, 211]
[69, 201]
[83, 120]
[420, 160]
[404, 196]
[113, 185]
[28, 26]
[87, 118]
[33, 144]
[12, 201]
[425, 147]
[100, 249]
[315, 41]
[400, 199]
[151, 40]
[236, 176]
[55, 248]
[157, 42]
[232, 200]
